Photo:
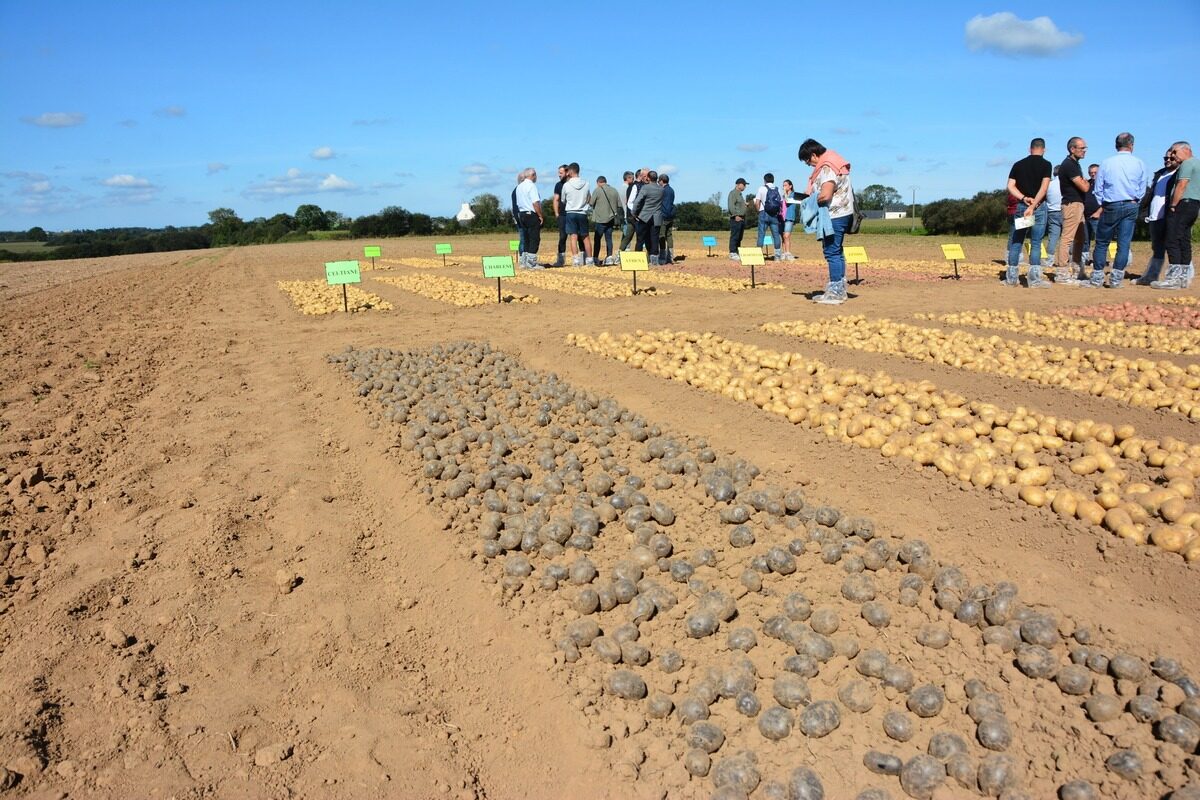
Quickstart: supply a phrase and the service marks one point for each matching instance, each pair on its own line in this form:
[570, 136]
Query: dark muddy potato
[858, 588]
[700, 624]
[933, 635]
[747, 704]
[882, 763]
[1180, 731]
[797, 607]
[802, 664]
[1001, 637]
[739, 772]
[692, 709]
[820, 719]
[873, 793]
[1040, 629]
[963, 770]
[1166, 668]
[627, 685]
[1128, 667]
[994, 732]
[607, 650]
[775, 723]
[871, 663]
[899, 678]
[824, 621]
[790, 690]
[742, 639]
[634, 653]
[705, 736]
[876, 614]
[1036, 661]
[1145, 709]
[944, 745]
[805, 784]
[969, 612]
[921, 775]
[697, 762]
[998, 773]
[659, 706]
[858, 696]
[1126, 764]
[926, 701]
[1074, 679]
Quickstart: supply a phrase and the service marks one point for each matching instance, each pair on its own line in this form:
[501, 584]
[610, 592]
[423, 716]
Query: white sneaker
[589, 262]
[735, 257]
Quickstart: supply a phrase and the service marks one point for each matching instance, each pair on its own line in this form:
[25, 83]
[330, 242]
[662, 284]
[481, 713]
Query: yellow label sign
[1112, 251]
[751, 256]
[855, 255]
[634, 262]
[953, 252]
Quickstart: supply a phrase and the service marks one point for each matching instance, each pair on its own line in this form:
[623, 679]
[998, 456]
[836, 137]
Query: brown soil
[219, 577]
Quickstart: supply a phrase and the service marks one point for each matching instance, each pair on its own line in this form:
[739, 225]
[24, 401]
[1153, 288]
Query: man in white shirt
[529, 210]
[575, 208]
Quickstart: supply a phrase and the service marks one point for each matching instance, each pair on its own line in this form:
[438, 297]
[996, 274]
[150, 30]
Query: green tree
[226, 226]
[489, 216]
[878, 197]
[37, 234]
[310, 217]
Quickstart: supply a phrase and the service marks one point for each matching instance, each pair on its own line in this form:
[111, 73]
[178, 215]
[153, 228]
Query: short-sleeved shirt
[527, 196]
[842, 202]
[558, 187]
[1068, 170]
[1029, 172]
[1190, 171]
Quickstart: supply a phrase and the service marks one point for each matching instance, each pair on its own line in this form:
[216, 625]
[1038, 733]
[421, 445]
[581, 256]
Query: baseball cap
[741, 180]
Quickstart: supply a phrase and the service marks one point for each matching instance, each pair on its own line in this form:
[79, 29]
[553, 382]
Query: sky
[155, 113]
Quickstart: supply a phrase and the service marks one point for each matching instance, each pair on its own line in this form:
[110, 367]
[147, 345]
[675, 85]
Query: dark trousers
[736, 228]
[647, 235]
[531, 226]
[1179, 231]
[605, 229]
[627, 233]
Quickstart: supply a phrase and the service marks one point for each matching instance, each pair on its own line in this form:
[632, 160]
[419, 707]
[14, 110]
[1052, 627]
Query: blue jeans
[766, 221]
[736, 228]
[1035, 235]
[1089, 235]
[831, 246]
[1117, 220]
[604, 229]
[1053, 231]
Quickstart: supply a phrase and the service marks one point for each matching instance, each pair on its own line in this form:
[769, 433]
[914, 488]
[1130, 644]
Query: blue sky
[152, 113]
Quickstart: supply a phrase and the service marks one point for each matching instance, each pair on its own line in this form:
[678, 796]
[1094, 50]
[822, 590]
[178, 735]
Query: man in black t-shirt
[1074, 187]
[1027, 183]
[560, 215]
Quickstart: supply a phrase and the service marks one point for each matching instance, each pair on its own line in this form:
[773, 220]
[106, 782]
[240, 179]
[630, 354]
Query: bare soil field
[481, 551]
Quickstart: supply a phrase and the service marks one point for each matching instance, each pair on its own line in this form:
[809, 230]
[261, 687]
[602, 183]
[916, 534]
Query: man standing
[516, 218]
[1053, 217]
[770, 205]
[735, 204]
[648, 211]
[575, 207]
[607, 212]
[1182, 208]
[1120, 183]
[630, 227]
[1073, 187]
[529, 209]
[666, 236]
[1028, 181]
[556, 202]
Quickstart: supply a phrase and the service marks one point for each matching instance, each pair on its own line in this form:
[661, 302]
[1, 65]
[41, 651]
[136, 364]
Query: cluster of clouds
[296, 181]
[1007, 34]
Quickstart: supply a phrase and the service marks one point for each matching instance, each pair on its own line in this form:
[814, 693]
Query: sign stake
[751, 257]
[345, 300]
[634, 262]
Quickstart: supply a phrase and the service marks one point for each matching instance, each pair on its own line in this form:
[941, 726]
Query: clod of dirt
[115, 636]
[286, 580]
[8, 779]
[272, 754]
[858, 696]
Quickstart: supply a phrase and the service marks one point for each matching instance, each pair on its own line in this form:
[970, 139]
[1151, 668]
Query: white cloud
[881, 171]
[752, 148]
[667, 169]
[1008, 34]
[56, 119]
[37, 187]
[323, 153]
[296, 181]
[480, 176]
[998, 161]
[171, 112]
[902, 157]
[127, 182]
[216, 166]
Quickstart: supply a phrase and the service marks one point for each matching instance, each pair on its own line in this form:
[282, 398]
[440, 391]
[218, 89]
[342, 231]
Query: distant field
[25, 247]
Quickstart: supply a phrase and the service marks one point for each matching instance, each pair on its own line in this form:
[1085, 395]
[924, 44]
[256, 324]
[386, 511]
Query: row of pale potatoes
[1133, 335]
[1136, 487]
[1135, 381]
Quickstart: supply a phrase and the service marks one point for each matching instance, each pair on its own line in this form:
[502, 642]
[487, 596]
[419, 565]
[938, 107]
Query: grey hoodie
[575, 196]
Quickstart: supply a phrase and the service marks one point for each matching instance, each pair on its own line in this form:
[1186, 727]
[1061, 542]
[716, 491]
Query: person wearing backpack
[770, 206]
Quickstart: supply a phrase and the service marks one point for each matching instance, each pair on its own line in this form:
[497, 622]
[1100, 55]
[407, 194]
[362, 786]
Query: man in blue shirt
[1120, 184]
[666, 235]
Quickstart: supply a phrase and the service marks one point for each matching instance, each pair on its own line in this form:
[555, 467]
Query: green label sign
[338, 272]
[514, 245]
[442, 249]
[751, 256]
[372, 251]
[498, 267]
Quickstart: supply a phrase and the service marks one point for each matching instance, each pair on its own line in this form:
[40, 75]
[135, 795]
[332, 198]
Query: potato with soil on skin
[1180, 731]
[882, 763]
[805, 784]
[1077, 790]
[926, 701]
[790, 690]
[994, 732]
[739, 772]
[858, 696]
[820, 719]
[1126, 764]
[921, 775]
[775, 723]
[998, 773]
[705, 736]
[627, 685]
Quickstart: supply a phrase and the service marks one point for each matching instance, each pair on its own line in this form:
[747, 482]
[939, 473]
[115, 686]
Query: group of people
[647, 212]
[1074, 213]
[825, 209]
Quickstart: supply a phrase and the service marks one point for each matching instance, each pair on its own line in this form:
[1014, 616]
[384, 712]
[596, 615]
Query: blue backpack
[774, 202]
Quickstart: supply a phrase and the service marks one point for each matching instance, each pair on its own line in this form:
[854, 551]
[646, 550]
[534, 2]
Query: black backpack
[774, 202]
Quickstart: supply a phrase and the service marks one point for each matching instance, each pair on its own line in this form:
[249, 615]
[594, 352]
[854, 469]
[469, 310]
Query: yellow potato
[1033, 495]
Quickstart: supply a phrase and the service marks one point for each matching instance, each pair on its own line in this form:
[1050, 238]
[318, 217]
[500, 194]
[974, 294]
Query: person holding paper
[791, 204]
[828, 212]
[1120, 184]
[1028, 181]
[529, 208]
[735, 204]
